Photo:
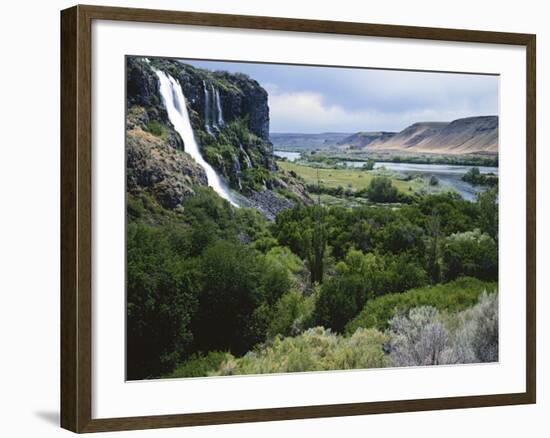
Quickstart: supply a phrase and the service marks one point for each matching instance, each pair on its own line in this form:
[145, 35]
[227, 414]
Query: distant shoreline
[479, 159]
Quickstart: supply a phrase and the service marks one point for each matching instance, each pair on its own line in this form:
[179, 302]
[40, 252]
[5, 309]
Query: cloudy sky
[309, 99]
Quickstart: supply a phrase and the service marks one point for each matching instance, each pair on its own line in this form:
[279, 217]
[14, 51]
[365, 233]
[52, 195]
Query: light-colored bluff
[470, 135]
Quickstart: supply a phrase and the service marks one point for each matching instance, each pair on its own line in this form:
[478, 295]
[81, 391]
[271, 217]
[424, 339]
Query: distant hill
[461, 136]
[470, 135]
[361, 139]
[297, 141]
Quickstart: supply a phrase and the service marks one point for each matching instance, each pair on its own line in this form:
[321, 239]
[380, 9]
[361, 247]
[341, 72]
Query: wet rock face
[240, 96]
[229, 115]
[142, 86]
[251, 102]
[142, 89]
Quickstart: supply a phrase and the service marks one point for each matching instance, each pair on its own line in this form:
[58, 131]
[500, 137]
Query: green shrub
[475, 177]
[361, 277]
[162, 290]
[157, 129]
[453, 213]
[317, 349]
[229, 300]
[369, 164]
[199, 365]
[454, 296]
[488, 212]
[426, 336]
[291, 314]
[471, 253]
[381, 189]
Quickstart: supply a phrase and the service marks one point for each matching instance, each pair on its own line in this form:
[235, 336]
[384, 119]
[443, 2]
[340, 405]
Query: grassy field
[347, 178]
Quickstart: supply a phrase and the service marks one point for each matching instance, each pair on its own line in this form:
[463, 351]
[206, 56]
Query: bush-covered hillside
[210, 278]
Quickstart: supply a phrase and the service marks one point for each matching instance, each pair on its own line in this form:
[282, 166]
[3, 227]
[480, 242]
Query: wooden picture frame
[76, 217]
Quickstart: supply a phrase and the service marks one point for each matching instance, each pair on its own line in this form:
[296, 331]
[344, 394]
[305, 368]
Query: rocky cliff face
[229, 114]
[230, 118]
[240, 97]
[156, 164]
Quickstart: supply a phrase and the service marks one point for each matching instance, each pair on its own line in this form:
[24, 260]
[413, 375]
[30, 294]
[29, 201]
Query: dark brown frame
[76, 237]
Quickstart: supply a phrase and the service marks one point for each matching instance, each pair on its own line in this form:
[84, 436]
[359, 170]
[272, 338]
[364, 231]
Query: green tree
[472, 253]
[369, 164]
[345, 294]
[400, 236]
[162, 289]
[291, 314]
[230, 299]
[401, 272]
[316, 254]
[381, 189]
[433, 248]
[473, 176]
[455, 214]
[488, 208]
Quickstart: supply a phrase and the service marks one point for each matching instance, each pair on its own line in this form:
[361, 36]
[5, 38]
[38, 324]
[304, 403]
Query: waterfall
[207, 109]
[246, 157]
[218, 108]
[213, 115]
[176, 107]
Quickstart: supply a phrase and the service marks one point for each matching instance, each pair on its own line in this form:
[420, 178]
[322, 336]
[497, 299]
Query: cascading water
[213, 115]
[246, 157]
[176, 107]
[207, 109]
[218, 108]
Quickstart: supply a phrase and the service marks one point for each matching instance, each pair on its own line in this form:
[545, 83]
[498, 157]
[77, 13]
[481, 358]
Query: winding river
[449, 175]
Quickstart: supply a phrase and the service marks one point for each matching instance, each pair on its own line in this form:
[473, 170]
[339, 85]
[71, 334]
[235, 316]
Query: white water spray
[246, 157]
[207, 111]
[218, 108]
[176, 107]
[213, 115]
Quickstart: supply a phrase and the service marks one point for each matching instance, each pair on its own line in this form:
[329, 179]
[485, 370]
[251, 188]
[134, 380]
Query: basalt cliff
[229, 117]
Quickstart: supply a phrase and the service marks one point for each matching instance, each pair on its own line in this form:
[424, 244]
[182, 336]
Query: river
[290, 156]
[449, 175]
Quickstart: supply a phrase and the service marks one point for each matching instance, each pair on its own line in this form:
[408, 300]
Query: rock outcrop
[269, 203]
[154, 165]
[230, 118]
[229, 115]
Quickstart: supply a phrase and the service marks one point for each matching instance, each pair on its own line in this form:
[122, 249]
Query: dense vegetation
[475, 177]
[216, 290]
[330, 266]
[343, 181]
[327, 156]
[452, 297]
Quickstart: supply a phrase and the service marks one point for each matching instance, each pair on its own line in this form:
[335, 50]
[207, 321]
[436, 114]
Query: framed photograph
[269, 218]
